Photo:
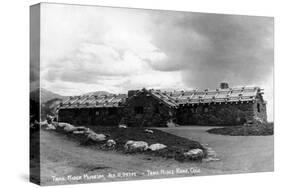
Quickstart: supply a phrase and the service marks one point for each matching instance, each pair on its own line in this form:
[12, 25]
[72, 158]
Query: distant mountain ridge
[45, 95]
[98, 93]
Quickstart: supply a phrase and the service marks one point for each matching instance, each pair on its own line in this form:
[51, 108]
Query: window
[259, 108]
[97, 113]
[139, 110]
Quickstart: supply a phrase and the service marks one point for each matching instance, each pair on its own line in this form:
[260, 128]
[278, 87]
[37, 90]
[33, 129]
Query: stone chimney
[132, 92]
[224, 85]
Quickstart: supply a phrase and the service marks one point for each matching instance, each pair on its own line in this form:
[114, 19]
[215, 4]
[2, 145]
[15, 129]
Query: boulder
[194, 154]
[122, 126]
[43, 124]
[110, 144]
[96, 137]
[82, 130]
[69, 128]
[78, 132]
[50, 127]
[62, 125]
[135, 146]
[66, 127]
[47, 126]
[149, 131]
[157, 146]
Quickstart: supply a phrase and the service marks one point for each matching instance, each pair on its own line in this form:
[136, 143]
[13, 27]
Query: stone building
[223, 106]
[149, 108]
[92, 110]
[141, 108]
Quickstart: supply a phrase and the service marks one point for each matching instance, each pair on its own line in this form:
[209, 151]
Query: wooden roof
[94, 101]
[172, 99]
[240, 94]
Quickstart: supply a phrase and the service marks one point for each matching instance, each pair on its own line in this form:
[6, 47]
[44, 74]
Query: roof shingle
[94, 101]
[172, 99]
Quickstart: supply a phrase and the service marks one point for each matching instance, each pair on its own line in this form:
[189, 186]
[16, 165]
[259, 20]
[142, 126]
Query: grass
[260, 129]
[176, 145]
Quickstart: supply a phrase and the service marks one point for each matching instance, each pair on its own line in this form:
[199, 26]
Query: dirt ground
[64, 161]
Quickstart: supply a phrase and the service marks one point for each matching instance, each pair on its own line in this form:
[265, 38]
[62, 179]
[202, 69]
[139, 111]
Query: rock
[62, 125]
[157, 146]
[78, 132]
[44, 124]
[110, 144]
[82, 130]
[47, 126]
[89, 131]
[51, 127]
[96, 137]
[66, 127]
[69, 128]
[135, 146]
[149, 131]
[122, 126]
[194, 154]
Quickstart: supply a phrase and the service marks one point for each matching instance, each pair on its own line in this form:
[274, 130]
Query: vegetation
[176, 145]
[258, 129]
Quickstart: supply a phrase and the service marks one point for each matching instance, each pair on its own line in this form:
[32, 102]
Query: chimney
[132, 92]
[224, 85]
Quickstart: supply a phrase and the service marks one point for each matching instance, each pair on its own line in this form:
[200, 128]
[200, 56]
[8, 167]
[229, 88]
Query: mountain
[45, 95]
[98, 93]
[49, 103]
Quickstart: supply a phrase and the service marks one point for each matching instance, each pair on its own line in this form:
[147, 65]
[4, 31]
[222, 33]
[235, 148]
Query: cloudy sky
[86, 48]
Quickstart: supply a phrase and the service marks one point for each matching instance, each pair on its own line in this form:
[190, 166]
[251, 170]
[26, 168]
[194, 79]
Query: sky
[86, 48]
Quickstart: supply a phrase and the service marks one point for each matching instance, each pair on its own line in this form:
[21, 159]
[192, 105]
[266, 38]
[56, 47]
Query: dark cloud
[210, 48]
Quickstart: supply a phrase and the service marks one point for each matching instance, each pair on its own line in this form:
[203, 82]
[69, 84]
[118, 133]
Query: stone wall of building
[216, 114]
[91, 116]
[260, 110]
[144, 111]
